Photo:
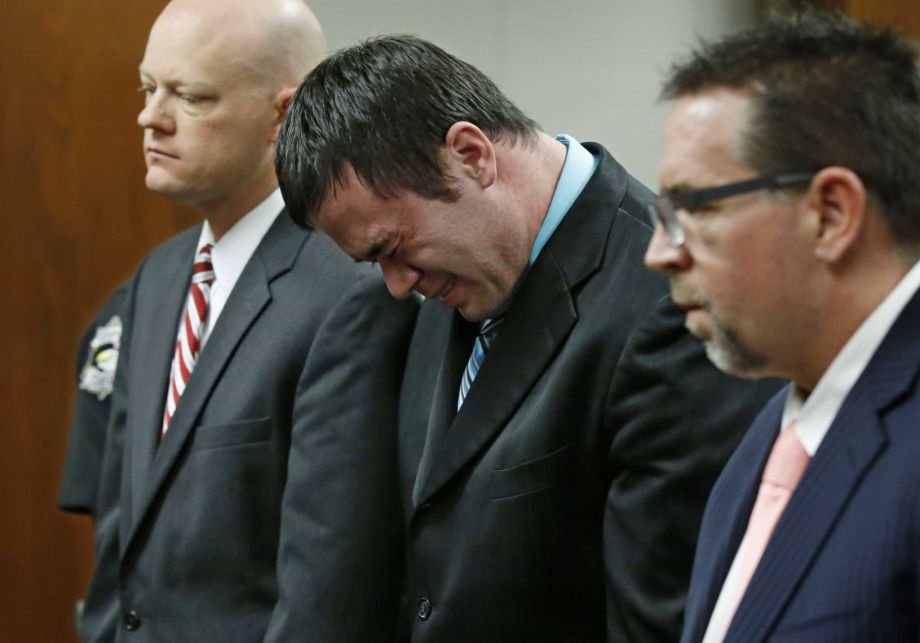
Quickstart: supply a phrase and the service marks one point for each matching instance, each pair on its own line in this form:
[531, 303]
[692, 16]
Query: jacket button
[131, 621]
[424, 609]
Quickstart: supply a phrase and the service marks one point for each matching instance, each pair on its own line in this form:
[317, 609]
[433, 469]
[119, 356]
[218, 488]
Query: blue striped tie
[487, 332]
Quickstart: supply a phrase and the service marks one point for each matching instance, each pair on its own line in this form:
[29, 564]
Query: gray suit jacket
[562, 502]
[274, 488]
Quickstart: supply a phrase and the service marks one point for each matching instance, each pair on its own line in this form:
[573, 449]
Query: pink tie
[784, 469]
[188, 343]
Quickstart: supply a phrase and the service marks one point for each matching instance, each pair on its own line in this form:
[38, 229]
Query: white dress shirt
[231, 254]
[813, 415]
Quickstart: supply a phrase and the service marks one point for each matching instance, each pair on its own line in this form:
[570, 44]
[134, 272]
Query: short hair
[384, 107]
[825, 90]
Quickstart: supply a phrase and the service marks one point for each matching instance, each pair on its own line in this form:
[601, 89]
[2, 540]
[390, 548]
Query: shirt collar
[813, 416]
[578, 167]
[230, 255]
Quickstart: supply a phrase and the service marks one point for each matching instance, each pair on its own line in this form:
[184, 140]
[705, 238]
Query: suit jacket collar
[153, 458]
[853, 443]
[536, 324]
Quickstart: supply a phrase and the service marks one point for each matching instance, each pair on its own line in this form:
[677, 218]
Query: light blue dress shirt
[578, 167]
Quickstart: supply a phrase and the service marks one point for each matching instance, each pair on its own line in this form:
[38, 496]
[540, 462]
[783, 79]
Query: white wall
[589, 68]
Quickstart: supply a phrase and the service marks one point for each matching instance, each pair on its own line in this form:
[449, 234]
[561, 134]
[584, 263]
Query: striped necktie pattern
[488, 330]
[188, 343]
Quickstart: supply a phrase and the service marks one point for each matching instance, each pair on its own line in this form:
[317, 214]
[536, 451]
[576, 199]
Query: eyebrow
[677, 188]
[373, 252]
[194, 86]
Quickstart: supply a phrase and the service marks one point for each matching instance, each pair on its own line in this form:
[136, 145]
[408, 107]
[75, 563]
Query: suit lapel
[461, 335]
[851, 446]
[728, 512]
[250, 296]
[156, 320]
[538, 321]
[852, 443]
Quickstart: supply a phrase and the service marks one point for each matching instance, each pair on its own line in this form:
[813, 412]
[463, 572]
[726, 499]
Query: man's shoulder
[626, 191]
[321, 272]
[613, 205]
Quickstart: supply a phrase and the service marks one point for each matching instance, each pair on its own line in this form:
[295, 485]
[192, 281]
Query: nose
[155, 114]
[662, 255]
[401, 278]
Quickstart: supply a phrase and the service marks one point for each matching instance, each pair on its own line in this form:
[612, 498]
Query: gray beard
[730, 356]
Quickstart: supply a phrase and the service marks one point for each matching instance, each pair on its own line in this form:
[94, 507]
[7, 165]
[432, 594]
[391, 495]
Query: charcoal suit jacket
[562, 502]
[269, 511]
[843, 563]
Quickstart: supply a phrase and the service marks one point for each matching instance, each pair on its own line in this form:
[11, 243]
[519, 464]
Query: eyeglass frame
[663, 210]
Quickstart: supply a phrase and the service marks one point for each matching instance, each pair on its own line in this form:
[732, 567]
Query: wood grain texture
[903, 15]
[76, 218]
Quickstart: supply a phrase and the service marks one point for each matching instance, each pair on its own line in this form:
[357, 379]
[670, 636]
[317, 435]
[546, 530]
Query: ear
[468, 152]
[837, 198]
[282, 100]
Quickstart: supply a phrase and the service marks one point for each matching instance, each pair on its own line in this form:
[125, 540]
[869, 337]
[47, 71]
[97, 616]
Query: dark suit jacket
[843, 564]
[83, 463]
[562, 502]
[272, 497]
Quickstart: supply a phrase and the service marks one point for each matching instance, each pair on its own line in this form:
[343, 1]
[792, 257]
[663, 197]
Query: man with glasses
[555, 417]
[789, 225]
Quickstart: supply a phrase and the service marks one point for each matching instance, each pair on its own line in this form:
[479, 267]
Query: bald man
[249, 485]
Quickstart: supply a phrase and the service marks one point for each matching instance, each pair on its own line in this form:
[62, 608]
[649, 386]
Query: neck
[224, 215]
[535, 174]
[853, 296]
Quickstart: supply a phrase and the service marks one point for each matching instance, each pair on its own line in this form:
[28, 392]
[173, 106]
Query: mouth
[687, 306]
[156, 152]
[442, 294]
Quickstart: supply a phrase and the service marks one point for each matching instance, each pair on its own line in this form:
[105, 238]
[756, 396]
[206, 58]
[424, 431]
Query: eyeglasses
[663, 210]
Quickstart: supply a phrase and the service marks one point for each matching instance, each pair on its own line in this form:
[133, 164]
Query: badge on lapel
[98, 373]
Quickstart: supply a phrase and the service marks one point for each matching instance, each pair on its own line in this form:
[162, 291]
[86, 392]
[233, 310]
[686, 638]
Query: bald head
[277, 42]
[217, 76]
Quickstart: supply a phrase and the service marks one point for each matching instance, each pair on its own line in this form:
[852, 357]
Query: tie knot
[203, 269]
[488, 330]
[787, 461]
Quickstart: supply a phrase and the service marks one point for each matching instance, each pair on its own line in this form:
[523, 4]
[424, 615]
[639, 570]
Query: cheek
[747, 292]
[220, 152]
[193, 135]
[720, 275]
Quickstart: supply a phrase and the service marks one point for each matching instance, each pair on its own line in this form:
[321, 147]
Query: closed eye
[374, 252]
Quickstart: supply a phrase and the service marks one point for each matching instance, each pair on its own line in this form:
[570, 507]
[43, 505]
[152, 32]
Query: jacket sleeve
[340, 557]
[101, 613]
[676, 420]
[97, 361]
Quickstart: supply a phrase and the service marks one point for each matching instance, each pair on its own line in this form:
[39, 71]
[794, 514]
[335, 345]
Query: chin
[477, 311]
[730, 356]
[695, 323]
[166, 186]
[471, 315]
[157, 181]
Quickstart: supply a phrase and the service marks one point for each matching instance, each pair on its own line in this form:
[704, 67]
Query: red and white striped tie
[188, 343]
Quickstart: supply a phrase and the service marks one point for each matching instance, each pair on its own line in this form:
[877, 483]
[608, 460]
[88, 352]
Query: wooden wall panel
[903, 15]
[76, 218]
